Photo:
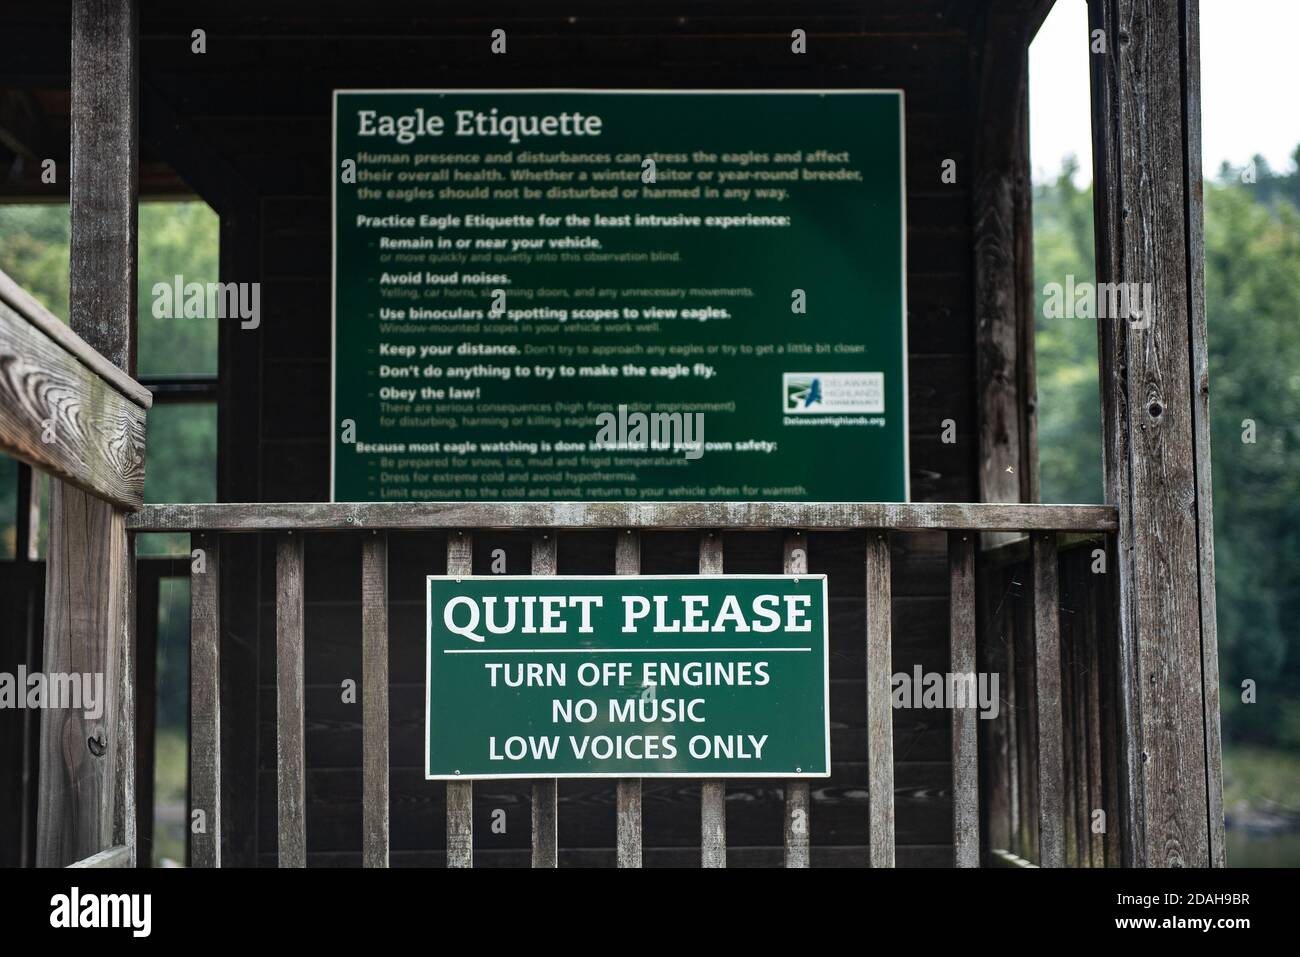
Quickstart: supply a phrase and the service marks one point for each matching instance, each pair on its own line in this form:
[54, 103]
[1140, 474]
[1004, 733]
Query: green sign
[627, 676]
[564, 295]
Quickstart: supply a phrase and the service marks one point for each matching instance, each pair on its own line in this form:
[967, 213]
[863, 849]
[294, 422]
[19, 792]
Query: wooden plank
[1047, 688]
[1156, 439]
[961, 650]
[797, 828]
[205, 700]
[460, 794]
[1003, 255]
[627, 561]
[87, 790]
[31, 309]
[753, 516]
[118, 856]
[546, 851]
[713, 794]
[1200, 362]
[880, 711]
[59, 416]
[291, 777]
[374, 699]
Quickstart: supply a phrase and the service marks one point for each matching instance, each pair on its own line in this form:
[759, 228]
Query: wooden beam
[964, 715]
[460, 794]
[627, 561]
[1155, 388]
[546, 796]
[87, 784]
[754, 516]
[290, 756]
[713, 794]
[797, 829]
[374, 700]
[1004, 300]
[61, 417]
[880, 711]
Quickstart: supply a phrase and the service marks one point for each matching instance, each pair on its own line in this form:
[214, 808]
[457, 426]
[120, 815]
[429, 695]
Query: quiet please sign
[627, 676]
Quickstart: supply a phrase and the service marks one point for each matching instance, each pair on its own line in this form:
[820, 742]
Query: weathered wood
[880, 711]
[627, 561]
[118, 856]
[374, 699]
[965, 715]
[1001, 857]
[205, 700]
[1003, 256]
[713, 794]
[62, 418]
[460, 794]
[546, 851]
[797, 827]
[89, 612]
[31, 309]
[291, 777]
[1047, 686]
[754, 516]
[1200, 362]
[1146, 98]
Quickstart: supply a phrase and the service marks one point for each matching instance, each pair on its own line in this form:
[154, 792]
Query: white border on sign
[902, 225]
[826, 679]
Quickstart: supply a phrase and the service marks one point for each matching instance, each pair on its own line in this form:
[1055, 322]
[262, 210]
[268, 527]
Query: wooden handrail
[64, 408]
[323, 516]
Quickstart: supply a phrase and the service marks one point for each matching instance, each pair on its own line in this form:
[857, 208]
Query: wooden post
[1155, 418]
[1003, 241]
[87, 785]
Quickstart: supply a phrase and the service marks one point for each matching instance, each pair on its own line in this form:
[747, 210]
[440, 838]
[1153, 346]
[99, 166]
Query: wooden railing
[963, 522]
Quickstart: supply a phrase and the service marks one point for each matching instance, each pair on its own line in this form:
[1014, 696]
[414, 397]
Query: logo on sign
[825, 393]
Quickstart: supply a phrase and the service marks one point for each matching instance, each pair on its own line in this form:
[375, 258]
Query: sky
[1248, 85]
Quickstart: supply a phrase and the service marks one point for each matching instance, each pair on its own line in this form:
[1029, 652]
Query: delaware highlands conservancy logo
[76, 910]
[826, 393]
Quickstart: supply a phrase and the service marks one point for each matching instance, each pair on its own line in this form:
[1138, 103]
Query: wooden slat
[961, 646]
[880, 711]
[58, 416]
[713, 794]
[119, 856]
[291, 778]
[460, 794]
[374, 699]
[627, 561]
[754, 516]
[797, 827]
[546, 851]
[205, 699]
[1047, 669]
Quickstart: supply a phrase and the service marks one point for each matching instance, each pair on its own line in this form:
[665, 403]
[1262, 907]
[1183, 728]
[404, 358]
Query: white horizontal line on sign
[600, 651]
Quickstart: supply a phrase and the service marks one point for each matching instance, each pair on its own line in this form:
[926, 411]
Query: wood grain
[713, 794]
[752, 516]
[627, 561]
[797, 826]
[1047, 686]
[1146, 98]
[880, 711]
[460, 794]
[205, 700]
[374, 699]
[546, 852]
[965, 755]
[290, 758]
[61, 417]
